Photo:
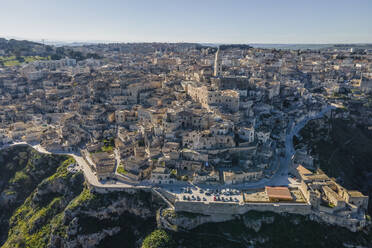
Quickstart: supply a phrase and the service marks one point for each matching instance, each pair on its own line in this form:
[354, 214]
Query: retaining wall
[103, 190]
[233, 208]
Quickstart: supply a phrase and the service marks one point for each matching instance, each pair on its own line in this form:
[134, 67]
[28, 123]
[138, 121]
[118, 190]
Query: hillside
[266, 229]
[47, 206]
[15, 52]
[21, 170]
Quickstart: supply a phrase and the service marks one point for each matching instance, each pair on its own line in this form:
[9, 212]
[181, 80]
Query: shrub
[121, 170]
[158, 239]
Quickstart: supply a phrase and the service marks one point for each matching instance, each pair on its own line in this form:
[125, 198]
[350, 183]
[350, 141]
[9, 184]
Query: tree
[158, 239]
[48, 48]
[55, 57]
[20, 59]
[60, 51]
[93, 56]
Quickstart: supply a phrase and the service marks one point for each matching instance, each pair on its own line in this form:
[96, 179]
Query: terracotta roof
[281, 193]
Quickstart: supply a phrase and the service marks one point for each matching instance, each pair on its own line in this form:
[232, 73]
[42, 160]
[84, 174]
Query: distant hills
[14, 52]
[311, 46]
[15, 44]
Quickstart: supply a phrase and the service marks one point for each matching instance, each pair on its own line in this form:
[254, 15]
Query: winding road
[280, 178]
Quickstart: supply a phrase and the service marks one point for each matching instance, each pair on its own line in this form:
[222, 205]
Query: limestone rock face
[7, 199]
[94, 239]
[256, 224]
[187, 221]
[104, 216]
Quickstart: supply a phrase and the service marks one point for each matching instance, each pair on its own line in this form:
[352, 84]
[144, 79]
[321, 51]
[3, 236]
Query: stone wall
[233, 208]
[216, 209]
[351, 224]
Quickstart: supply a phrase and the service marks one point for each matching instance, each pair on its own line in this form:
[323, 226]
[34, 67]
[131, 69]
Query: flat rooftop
[255, 195]
[280, 193]
[293, 195]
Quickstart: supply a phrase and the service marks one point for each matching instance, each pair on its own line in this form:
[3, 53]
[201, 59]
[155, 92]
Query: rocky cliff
[343, 149]
[51, 207]
[21, 170]
[267, 229]
[56, 209]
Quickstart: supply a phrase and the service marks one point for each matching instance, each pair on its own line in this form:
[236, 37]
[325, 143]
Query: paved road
[280, 178]
[83, 165]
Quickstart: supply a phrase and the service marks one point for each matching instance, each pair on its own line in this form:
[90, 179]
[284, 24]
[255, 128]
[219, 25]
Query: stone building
[228, 99]
[235, 177]
[324, 193]
[217, 64]
[206, 140]
[366, 83]
[161, 175]
[103, 164]
[246, 134]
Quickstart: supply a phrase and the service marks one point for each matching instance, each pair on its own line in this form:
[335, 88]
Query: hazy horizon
[238, 21]
[149, 41]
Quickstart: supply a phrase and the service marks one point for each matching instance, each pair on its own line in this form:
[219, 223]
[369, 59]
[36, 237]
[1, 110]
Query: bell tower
[217, 64]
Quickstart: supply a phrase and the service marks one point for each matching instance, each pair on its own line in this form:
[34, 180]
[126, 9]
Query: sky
[204, 21]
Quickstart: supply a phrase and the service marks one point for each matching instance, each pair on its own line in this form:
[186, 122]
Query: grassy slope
[21, 170]
[52, 197]
[39, 218]
[38, 224]
[13, 61]
[28, 173]
[33, 223]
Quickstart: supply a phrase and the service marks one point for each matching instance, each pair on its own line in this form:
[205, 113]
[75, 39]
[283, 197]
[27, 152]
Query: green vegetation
[184, 178]
[173, 173]
[331, 205]
[85, 196]
[20, 51]
[158, 239]
[19, 177]
[169, 212]
[44, 219]
[41, 214]
[108, 146]
[368, 217]
[62, 170]
[22, 170]
[13, 60]
[109, 142]
[10, 63]
[107, 149]
[26, 221]
[121, 170]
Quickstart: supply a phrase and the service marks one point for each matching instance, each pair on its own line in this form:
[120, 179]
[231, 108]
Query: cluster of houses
[176, 111]
[332, 200]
